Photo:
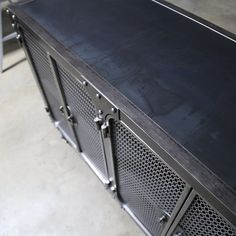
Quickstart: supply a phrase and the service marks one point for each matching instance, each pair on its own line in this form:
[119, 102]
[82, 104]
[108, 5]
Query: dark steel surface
[178, 72]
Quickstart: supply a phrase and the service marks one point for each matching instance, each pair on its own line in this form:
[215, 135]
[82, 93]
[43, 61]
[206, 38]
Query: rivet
[85, 83]
[113, 109]
[98, 95]
[7, 11]
[100, 112]
[13, 17]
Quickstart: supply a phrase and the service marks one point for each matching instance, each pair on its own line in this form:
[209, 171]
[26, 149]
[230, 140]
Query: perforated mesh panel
[42, 66]
[77, 96]
[78, 99]
[202, 220]
[145, 183]
[84, 112]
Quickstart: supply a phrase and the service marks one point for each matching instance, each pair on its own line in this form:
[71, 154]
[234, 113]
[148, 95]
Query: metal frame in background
[8, 37]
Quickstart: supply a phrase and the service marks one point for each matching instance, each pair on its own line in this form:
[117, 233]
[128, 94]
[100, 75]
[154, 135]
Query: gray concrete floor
[45, 188]
[221, 13]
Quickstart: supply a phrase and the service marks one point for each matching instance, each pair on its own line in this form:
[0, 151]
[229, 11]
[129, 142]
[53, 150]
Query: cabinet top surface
[180, 73]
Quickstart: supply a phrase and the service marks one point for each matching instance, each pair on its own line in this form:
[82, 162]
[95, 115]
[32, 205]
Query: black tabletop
[180, 73]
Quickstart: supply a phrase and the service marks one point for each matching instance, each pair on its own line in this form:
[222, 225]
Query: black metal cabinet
[159, 182]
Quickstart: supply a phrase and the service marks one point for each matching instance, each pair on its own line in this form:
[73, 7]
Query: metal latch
[105, 130]
[98, 122]
[70, 117]
[103, 126]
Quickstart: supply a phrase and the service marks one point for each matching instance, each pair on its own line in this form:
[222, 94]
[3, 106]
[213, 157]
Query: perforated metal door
[84, 112]
[202, 220]
[145, 183]
[43, 70]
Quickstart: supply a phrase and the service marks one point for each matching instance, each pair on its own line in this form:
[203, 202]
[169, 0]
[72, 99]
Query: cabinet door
[198, 218]
[83, 111]
[146, 185]
[44, 75]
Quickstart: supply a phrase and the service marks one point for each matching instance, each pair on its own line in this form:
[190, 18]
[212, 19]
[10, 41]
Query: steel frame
[110, 104]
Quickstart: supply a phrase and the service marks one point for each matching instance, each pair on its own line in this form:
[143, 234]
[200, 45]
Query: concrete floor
[45, 188]
[221, 13]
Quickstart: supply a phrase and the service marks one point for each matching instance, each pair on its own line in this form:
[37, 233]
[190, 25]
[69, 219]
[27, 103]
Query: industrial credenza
[147, 94]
